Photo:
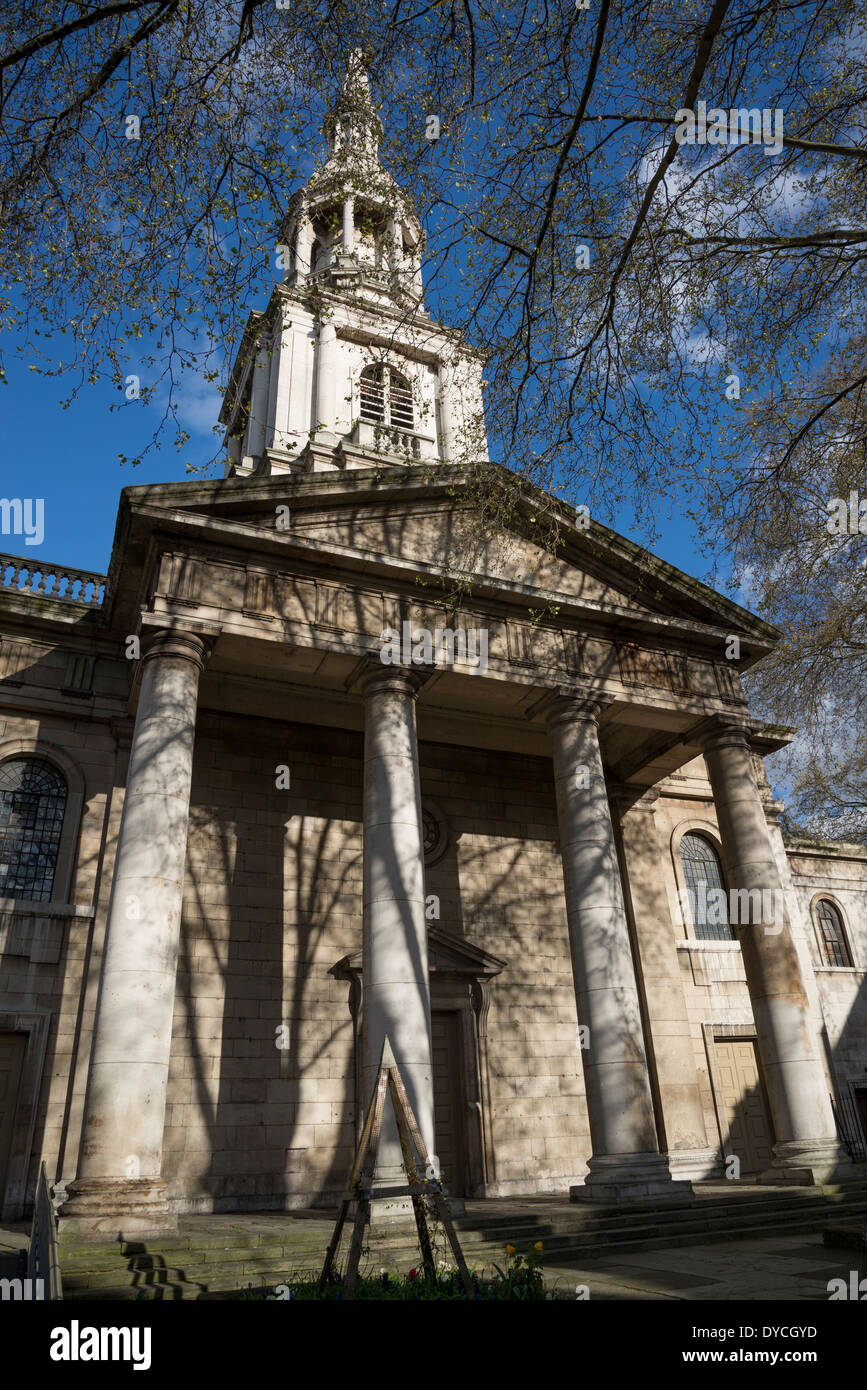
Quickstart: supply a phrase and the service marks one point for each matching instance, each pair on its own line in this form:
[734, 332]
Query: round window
[434, 838]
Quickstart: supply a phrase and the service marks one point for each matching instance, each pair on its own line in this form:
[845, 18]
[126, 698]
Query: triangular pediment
[422, 521]
[447, 955]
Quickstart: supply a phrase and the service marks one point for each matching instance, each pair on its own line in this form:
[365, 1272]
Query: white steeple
[353, 124]
[346, 367]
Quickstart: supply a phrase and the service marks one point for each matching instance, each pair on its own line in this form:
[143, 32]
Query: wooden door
[743, 1104]
[12, 1047]
[449, 1128]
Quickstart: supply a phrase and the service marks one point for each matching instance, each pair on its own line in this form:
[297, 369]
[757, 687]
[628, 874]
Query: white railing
[51, 581]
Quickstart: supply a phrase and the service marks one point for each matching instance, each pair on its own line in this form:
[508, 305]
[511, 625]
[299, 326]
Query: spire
[352, 126]
[352, 227]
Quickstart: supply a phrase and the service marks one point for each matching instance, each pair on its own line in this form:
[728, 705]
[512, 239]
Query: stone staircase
[214, 1254]
[208, 1255]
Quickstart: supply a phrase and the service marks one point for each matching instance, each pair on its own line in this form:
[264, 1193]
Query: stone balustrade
[391, 439]
[51, 581]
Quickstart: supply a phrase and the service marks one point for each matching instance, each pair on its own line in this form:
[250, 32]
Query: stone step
[851, 1235]
[241, 1240]
[790, 1199]
[733, 1226]
[185, 1266]
[100, 1258]
[588, 1226]
[127, 1292]
[217, 1278]
[232, 1274]
[673, 1218]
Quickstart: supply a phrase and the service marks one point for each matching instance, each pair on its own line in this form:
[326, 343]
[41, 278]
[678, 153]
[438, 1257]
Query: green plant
[522, 1277]
[520, 1280]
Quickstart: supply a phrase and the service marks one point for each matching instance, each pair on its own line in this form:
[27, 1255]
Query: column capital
[179, 643]
[372, 674]
[722, 731]
[564, 706]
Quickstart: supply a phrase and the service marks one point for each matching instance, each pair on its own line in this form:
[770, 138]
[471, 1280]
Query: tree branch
[83, 21]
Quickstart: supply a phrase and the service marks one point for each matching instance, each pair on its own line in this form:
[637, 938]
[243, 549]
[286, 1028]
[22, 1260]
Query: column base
[694, 1165]
[115, 1209]
[809, 1163]
[615, 1179]
[386, 1211]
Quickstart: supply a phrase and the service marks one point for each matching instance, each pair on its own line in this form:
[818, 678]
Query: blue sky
[70, 458]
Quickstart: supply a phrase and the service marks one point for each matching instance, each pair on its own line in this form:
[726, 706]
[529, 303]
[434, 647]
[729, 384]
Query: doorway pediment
[447, 955]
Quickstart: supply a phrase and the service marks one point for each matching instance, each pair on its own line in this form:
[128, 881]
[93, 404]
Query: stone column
[278, 372]
[233, 452]
[258, 405]
[806, 1149]
[348, 227]
[669, 1038]
[447, 419]
[626, 1164]
[119, 1189]
[394, 958]
[326, 383]
[303, 248]
[395, 236]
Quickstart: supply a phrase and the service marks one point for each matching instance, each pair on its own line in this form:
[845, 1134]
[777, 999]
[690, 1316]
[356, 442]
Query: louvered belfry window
[401, 403]
[32, 805]
[372, 395]
[386, 398]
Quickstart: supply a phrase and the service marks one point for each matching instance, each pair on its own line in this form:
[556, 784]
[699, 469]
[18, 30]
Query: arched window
[386, 398]
[32, 805]
[832, 937]
[708, 899]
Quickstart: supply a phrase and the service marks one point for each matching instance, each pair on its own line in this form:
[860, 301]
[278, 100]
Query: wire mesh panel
[32, 806]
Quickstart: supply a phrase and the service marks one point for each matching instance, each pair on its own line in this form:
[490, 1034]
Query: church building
[320, 761]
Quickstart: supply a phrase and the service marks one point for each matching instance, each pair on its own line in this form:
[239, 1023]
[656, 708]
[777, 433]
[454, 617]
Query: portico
[209, 627]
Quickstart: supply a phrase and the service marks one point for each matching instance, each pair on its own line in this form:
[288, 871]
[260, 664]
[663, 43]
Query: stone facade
[276, 847]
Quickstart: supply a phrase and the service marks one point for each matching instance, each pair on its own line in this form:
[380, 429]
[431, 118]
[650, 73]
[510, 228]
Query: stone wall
[272, 902]
[501, 886]
[50, 953]
[838, 872]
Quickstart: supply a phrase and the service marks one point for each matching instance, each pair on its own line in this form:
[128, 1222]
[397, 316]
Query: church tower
[345, 367]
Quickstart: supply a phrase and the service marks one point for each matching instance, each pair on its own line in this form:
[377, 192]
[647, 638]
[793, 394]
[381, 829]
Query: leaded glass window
[32, 805]
[834, 945]
[708, 900]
